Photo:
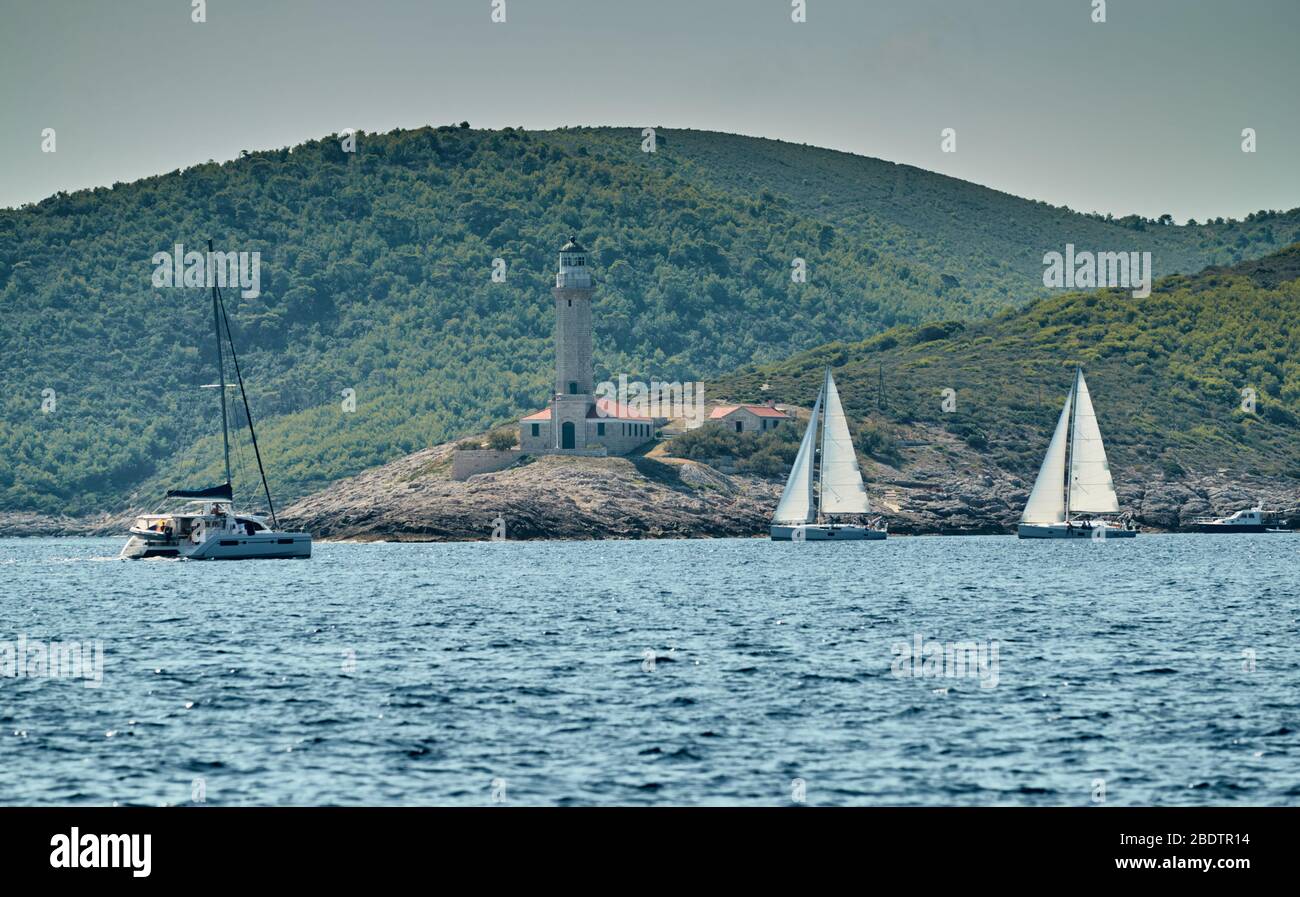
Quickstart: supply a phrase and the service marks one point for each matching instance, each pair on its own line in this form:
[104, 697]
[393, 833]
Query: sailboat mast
[1069, 443]
[221, 368]
[820, 468]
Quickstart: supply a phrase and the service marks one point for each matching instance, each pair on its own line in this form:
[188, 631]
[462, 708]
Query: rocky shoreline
[35, 525]
[944, 489]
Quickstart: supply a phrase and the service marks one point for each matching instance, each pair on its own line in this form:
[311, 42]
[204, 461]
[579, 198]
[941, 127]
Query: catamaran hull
[1061, 531]
[825, 532]
[266, 546]
[138, 549]
[222, 547]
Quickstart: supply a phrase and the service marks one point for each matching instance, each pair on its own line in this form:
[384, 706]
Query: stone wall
[615, 439]
[542, 442]
[466, 463]
[589, 440]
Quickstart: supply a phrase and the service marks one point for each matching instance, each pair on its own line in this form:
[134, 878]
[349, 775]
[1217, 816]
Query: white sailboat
[207, 526]
[826, 482]
[1082, 505]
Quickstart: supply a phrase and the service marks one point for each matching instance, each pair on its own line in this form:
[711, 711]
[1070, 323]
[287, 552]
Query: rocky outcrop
[944, 487]
[548, 497]
[23, 524]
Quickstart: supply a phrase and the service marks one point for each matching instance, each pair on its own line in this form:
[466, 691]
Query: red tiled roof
[604, 409]
[760, 410]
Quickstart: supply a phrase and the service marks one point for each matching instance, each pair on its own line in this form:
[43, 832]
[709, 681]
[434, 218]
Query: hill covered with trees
[376, 277]
[1202, 378]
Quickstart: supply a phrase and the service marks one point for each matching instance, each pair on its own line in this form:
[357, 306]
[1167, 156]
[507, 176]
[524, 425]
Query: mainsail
[223, 492]
[1047, 501]
[842, 491]
[1092, 491]
[796, 505]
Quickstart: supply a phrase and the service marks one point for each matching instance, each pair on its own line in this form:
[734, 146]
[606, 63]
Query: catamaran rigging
[209, 527]
[248, 413]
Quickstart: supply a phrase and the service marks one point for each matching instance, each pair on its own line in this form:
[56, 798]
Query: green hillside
[1166, 374]
[990, 242]
[376, 277]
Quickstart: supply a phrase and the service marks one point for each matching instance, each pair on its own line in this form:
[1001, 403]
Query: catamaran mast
[248, 412]
[221, 368]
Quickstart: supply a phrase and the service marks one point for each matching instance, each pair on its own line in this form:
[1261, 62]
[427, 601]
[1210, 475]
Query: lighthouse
[574, 397]
[576, 422]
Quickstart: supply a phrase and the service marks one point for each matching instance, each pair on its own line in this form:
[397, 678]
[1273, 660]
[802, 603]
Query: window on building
[573, 387]
[537, 429]
[740, 426]
[600, 429]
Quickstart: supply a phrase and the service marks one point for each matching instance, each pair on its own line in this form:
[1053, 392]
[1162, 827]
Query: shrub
[502, 440]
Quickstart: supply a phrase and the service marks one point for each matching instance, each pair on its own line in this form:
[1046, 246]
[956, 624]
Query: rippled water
[700, 672]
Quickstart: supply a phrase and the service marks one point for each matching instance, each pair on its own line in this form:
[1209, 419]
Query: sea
[1163, 670]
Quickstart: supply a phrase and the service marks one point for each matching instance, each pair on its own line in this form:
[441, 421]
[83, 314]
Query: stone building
[576, 422]
[748, 418]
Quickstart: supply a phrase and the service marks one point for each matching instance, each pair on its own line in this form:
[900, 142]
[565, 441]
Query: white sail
[841, 479]
[1047, 500]
[796, 505]
[1092, 490]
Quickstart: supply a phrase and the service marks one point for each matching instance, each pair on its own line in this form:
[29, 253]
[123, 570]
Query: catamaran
[824, 483]
[206, 526]
[1076, 509]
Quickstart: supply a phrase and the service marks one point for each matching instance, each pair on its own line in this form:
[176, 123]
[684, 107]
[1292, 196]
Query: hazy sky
[1143, 113]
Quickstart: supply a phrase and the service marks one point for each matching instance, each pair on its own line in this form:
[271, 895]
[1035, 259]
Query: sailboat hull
[1099, 532]
[825, 532]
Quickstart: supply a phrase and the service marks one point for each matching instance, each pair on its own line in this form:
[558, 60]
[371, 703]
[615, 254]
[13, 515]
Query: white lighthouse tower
[576, 420]
[574, 399]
